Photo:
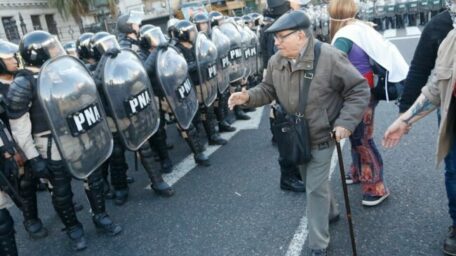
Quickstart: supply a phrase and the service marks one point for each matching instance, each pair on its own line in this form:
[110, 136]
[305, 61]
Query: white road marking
[187, 164]
[300, 236]
[412, 31]
[390, 33]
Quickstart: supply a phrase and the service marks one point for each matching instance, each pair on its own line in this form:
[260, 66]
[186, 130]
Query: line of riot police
[65, 117]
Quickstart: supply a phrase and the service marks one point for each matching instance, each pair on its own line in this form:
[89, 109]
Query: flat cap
[290, 21]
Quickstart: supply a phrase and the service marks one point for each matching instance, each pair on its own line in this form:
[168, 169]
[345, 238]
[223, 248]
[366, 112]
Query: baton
[346, 199]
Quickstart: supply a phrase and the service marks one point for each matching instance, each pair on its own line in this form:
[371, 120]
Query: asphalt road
[235, 207]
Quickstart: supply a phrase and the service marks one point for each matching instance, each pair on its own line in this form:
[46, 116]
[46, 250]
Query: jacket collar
[304, 61]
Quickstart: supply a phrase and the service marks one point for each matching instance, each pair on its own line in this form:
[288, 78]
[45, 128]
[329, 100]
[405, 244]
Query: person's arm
[427, 102]
[19, 99]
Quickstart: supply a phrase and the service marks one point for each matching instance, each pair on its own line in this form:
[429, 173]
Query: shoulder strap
[308, 76]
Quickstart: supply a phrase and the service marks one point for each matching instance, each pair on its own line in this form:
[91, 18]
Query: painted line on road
[300, 236]
[187, 164]
[412, 31]
[389, 33]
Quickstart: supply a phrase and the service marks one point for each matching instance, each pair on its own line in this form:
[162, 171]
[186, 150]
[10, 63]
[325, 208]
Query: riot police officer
[401, 13]
[390, 20]
[26, 181]
[104, 46]
[128, 29]
[29, 128]
[379, 15]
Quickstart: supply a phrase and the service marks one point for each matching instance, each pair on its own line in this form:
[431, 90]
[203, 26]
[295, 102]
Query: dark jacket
[424, 58]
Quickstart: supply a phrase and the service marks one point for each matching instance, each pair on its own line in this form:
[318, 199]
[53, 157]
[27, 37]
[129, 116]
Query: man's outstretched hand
[238, 98]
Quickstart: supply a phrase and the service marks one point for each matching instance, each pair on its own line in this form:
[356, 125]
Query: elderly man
[337, 97]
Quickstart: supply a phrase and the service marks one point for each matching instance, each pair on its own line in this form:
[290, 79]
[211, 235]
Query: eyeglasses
[282, 38]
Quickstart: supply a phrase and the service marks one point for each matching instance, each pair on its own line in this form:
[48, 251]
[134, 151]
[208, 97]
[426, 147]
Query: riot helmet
[186, 31]
[39, 46]
[171, 27]
[70, 48]
[277, 8]
[101, 42]
[129, 23]
[83, 47]
[144, 28]
[216, 18]
[248, 21]
[7, 50]
[257, 19]
[152, 38]
[202, 22]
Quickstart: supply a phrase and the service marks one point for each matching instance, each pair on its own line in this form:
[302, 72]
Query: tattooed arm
[402, 125]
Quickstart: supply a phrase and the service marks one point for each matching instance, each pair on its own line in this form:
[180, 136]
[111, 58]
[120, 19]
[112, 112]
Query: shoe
[449, 245]
[202, 159]
[162, 189]
[76, 235]
[319, 252]
[348, 180]
[35, 229]
[104, 224]
[224, 126]
[374, 200]
[240, 114]
[334, 219]
[217, 140]
[292, 184]
[120, 196]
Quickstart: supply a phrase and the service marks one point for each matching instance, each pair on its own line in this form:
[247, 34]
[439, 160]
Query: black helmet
[216, 18]
[152, 38]
[186, 31]
[202, 22]
[277, 8]
[144, 28]
[124, 22]
[83, 47]
[171, 27]
[7, 50]
[101, 42]
[248, 20]
[39, 46]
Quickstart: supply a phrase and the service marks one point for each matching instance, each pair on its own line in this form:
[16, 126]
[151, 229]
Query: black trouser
[117, 164]
[7, 239]
[95, 192]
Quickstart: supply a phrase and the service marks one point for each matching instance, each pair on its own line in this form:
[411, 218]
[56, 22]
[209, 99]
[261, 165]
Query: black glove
[112, 52]
[39, 167]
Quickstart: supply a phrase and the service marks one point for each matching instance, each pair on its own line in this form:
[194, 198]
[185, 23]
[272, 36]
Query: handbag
[292, 130]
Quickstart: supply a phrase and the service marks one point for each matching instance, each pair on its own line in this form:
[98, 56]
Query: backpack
[394, 89]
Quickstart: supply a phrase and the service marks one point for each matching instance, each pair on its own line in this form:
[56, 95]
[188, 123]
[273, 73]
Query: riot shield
[245, 42]
[222, 43]
[412, 6]
[235, 53]
[423, 6]
[75, 114]
[436, 5]
[130, 97]
[380, 9]
[172, 75]
[260, 65]
[252, 51]
[401, 7]
[369, 11]
[206, 60]
[391, 8]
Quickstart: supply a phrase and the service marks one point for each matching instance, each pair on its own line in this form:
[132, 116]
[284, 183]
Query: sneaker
[449, 245]
[349, 180]
[374, 200]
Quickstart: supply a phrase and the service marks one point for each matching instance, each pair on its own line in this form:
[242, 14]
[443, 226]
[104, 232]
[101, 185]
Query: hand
[163, 46]
[238, 98]
[341, 133]
[39, 167]
[394, 133]
[112, 52]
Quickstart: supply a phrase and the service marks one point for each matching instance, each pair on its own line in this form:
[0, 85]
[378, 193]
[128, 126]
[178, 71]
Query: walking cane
[346, 199]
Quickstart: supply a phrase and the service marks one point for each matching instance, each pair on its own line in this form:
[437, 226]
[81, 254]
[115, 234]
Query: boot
[27, 191]
[210, 125]
[35, 229]
[196, 146]
[240, 114]
[104, 224]
[160, 187]
[158, 142]
[119, 179]
[76, 235]
[223, 125]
